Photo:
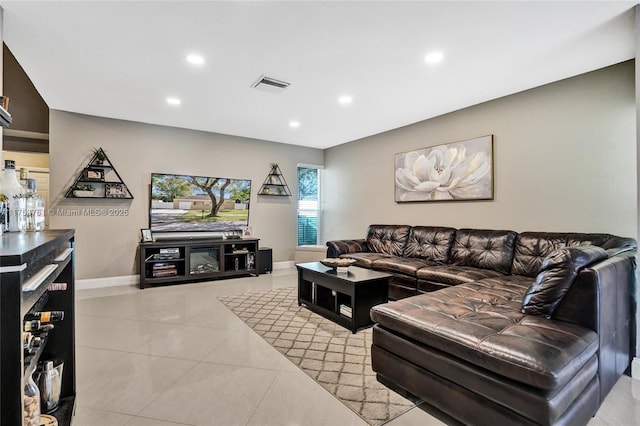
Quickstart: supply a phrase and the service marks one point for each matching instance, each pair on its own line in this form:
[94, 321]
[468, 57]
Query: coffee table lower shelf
[324, 291]
[329, 314]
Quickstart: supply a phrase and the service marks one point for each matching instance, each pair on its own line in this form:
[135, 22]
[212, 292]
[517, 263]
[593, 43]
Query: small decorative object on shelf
[82, 190]
[101, 172]
[93, 175]
[274, 184]
[99, 156]
[146, 235]
[115, 190]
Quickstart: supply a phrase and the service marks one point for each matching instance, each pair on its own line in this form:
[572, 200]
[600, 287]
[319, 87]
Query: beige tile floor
[175, 355]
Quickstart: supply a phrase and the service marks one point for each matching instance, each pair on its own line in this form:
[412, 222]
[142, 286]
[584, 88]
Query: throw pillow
[556, 275]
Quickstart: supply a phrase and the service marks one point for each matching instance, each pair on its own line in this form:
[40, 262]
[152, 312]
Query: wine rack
[29, 263]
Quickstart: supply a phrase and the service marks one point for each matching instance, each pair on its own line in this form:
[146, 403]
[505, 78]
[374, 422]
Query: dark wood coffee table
[324, 291]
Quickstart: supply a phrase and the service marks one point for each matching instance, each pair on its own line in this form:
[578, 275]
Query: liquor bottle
[30, 343]
[45, 316]
[57, 287]
[24, 176]
[31, 325]
[34, 205]
[37, 327]
[27, 338]
[14, 192]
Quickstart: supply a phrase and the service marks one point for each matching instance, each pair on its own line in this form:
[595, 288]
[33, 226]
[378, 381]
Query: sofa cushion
[532, 248]
[545, 407]
[481, 323]
[338, 247]
[454, 275]
[400, 265]
[387, 239]
[366, 259]
[482, 248]
[430, 242]
[556, 276]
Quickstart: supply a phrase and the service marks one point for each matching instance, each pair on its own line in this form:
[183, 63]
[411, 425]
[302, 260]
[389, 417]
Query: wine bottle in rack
[31, 325]
[45, 316]
[37, 327]
[30, 343]
[57, 287]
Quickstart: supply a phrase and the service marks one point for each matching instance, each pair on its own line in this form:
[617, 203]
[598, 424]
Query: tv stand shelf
[180, 261]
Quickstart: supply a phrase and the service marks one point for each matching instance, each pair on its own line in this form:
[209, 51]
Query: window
[309, 231]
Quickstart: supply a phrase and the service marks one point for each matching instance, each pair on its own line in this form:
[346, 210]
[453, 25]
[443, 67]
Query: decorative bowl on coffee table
[338, 263]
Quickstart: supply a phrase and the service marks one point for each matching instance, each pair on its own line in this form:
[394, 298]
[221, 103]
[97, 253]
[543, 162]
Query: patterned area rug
[334, 357]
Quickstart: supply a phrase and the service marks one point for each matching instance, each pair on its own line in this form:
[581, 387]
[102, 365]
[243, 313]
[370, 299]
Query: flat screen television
[185, 203]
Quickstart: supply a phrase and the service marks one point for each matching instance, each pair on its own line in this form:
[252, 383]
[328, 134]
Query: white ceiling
[123, 59]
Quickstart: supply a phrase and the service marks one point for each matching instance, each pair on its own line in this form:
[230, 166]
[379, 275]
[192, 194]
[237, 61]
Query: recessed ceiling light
[195, 59]
[294, 124]
[434, 57]
[173, 101]
[345, 99]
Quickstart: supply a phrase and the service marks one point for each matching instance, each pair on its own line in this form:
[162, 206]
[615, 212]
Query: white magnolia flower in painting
[445, 173]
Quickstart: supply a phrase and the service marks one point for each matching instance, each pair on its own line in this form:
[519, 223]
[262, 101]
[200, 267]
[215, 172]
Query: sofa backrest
[387, 239]
[484, 248]
[430, 242]
[532, 247]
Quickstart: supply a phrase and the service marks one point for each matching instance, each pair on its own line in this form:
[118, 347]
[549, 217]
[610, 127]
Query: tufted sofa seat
[498, 327]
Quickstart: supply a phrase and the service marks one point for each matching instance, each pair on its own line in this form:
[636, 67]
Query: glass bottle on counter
[34, 205]
[14, 192]
[24, 176]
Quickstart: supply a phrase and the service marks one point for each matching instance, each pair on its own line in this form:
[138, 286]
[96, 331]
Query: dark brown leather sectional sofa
[498, 327]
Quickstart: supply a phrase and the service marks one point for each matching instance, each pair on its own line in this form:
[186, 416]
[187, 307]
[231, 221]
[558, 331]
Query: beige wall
[564, 159]
[106, 245]
[27, 159]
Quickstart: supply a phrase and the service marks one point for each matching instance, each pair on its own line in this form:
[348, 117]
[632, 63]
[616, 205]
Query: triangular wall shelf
[275, 184]
[102, 176]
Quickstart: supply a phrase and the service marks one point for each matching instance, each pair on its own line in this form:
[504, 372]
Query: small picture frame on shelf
[93, 174]
[247, 232]
[146, 235]
[115, 190]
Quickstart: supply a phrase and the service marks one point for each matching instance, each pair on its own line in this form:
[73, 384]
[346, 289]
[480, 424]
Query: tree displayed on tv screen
[183, 201]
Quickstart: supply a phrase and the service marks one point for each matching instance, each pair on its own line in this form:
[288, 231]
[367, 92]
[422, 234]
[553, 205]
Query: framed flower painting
[454, 171]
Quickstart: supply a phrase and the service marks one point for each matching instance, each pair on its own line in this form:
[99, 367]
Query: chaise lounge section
[523, 328]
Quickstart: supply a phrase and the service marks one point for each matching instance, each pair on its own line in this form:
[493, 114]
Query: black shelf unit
[94, 174]
[275, 185]
[197, 259]
[29, 262]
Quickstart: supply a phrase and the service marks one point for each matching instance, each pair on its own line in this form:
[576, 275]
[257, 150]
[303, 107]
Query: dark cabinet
[29, 264]
[177, 261]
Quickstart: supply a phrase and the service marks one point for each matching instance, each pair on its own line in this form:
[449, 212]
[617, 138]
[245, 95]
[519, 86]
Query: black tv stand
[187, 260]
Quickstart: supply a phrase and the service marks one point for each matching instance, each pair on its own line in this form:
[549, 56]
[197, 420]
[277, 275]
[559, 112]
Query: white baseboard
[284, 265]
[91, 283]
[635, 368]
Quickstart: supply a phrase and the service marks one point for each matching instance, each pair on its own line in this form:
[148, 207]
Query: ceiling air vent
[269, 84]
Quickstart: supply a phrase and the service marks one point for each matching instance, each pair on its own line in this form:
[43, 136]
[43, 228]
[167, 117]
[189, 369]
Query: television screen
[182, 203]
